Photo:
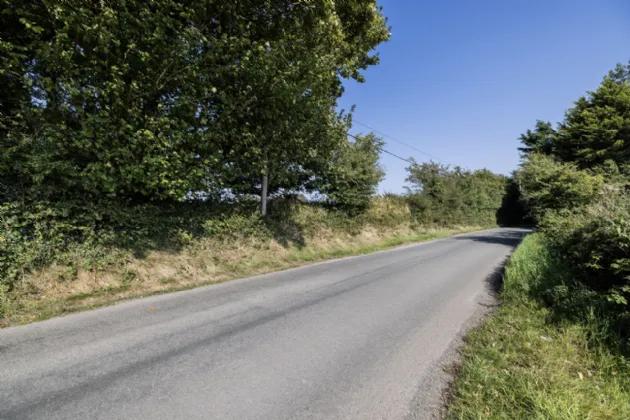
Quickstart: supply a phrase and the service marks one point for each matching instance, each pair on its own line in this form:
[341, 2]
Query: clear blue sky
[462, 79]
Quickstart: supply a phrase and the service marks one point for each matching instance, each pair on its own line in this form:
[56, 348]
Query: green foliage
[547, 353]
[541, 140]
[115, 115]
[547, 184]
[596, 240]
[596, 129]
[579, 198]
[237, 226]
[141, 101]
[443, 196]
[594, 133]
[351, 178]
[102, 234]
[96, 236]
[558, 347]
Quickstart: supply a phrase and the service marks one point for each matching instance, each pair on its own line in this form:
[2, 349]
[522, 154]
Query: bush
[596, 240]
[443, 196]
[237, 226]
[547, 184]
[38, 234]
[96, 235]
[549, 352]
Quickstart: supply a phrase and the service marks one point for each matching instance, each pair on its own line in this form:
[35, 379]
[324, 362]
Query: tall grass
[166, 250]
[550, 351]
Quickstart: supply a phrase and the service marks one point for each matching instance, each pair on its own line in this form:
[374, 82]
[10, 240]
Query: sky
[462, 79]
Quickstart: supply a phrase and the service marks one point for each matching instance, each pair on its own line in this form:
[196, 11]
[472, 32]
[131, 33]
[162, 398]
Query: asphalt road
[356, 338]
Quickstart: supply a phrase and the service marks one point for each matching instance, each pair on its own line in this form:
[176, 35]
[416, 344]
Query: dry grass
[61, 289]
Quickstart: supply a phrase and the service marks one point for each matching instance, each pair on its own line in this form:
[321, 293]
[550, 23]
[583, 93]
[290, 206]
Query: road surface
[356, 338]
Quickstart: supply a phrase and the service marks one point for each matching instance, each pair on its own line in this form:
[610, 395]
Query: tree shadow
[511, 238]
[513, 211]
[494, 280]
[287, 233]
[282, 223]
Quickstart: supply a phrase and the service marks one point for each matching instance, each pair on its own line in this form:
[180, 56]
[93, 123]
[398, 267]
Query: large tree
[151, 100]
[597, 128]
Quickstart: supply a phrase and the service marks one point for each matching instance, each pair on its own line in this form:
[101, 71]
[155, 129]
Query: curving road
[356, 338]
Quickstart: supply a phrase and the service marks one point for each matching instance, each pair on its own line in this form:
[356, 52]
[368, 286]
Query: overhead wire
[403, 143]
[386, 151]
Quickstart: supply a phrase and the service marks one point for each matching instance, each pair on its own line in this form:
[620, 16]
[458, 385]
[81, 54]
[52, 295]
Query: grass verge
[529, 362]
[52, 292]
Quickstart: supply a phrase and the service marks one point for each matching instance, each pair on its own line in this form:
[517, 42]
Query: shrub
[547, 184]
[237, 226]
[439, 195]
[96, 235]
[34, 235]
[596, 240]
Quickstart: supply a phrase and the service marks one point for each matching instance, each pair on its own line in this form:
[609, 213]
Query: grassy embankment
[86, 276]
[549, 352]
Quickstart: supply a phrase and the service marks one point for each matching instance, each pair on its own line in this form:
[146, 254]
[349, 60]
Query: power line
[403, 143]
[390, 153]
[383, 150]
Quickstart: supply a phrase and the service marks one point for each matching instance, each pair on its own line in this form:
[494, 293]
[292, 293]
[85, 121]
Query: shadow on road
[512, 238]
[494, 282]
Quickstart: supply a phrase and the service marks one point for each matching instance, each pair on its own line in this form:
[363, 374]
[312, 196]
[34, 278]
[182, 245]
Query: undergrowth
[62, 260]
[554, 350]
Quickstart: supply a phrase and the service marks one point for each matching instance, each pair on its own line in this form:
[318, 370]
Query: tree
[540, 140]
[144, 101]
[620, 74]
[351, 177]
[597, 128]
[289, 128]
[440, 195]
[547, 184]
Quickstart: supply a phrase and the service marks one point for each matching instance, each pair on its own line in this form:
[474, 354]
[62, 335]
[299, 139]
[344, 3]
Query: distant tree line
[441, 195]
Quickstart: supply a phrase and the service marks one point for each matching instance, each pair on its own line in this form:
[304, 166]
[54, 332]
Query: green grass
[527, 362]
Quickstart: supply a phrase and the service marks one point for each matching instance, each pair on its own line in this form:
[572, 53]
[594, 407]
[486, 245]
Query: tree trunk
[264, 194]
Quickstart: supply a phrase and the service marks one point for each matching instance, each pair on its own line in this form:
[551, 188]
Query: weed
[207, 261]
[526, 362]
[168, 280]
[126, 276]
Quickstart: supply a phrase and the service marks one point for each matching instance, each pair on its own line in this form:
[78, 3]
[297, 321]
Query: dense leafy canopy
[143, 101]
[575, 180]
[540, 140]
[120, 121]
[595, 133]
[597, 128]
[353, 173]
[441, 195]
[551, 185]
